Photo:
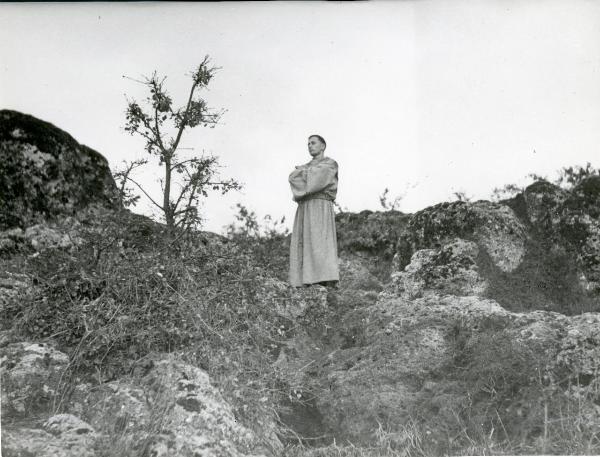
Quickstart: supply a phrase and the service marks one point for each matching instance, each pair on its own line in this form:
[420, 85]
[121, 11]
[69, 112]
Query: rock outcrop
[493, 226]
[438, 347]
[44, 172]
[538, 250]
[175, 400]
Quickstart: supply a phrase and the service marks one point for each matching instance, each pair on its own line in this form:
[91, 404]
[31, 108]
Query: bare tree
[197, 175]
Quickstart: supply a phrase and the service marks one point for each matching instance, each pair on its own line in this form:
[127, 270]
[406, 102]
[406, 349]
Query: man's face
[315, 146]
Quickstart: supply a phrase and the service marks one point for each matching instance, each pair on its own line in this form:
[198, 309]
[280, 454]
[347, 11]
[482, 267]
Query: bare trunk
[169, 217]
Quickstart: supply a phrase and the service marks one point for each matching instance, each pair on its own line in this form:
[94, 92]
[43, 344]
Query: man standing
[313, 247]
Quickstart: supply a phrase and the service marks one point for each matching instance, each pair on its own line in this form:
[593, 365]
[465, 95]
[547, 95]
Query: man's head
[316, 145]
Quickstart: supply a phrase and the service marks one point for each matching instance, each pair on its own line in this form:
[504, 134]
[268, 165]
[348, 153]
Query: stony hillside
[466, 328]
[488, 327]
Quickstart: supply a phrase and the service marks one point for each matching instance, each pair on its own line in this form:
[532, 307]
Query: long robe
[313, 247]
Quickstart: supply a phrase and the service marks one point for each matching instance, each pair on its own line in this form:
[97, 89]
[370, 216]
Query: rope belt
[317, 197]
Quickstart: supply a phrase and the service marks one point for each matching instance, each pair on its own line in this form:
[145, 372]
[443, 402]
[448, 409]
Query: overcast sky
[425, 97]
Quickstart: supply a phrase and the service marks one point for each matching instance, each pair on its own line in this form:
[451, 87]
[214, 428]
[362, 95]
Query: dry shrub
[266, 242]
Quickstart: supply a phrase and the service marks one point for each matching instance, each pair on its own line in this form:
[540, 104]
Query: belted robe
[313, 246]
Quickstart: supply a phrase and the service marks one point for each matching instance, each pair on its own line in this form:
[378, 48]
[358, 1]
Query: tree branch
[158, 135]
[185, 118]
[146, 193]
[193, 191]
[183, 162]
[181, 194]
[190, 200]
[129, 167]
[185, 210]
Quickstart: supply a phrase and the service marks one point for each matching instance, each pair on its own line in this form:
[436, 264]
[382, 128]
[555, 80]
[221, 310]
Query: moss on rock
[44, 172]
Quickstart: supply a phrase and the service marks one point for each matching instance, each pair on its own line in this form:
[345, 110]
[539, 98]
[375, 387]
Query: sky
[425, 98]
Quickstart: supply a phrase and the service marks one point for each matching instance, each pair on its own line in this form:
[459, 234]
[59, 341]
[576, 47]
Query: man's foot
[330, 284]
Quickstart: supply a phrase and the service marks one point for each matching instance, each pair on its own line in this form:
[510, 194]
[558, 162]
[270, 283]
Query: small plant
[389, 205]
[506, 191]
[265, 242]
[247, 223]
[461, 196]
[338, 208]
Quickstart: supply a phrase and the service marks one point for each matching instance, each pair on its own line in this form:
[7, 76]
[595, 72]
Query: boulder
[580, 229]
[543, 202]
[44, 172]
[370, 238]
[452, 269]
[65, 425]
[170, 408]
[31, 377]
[67, 436]
[47, 236]
[567, 220]
[493, 226]
[370, 232]
[538, 250]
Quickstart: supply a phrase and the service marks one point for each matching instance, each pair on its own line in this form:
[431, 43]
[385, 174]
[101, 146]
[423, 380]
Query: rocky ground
[444, 343]
[466, 328]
